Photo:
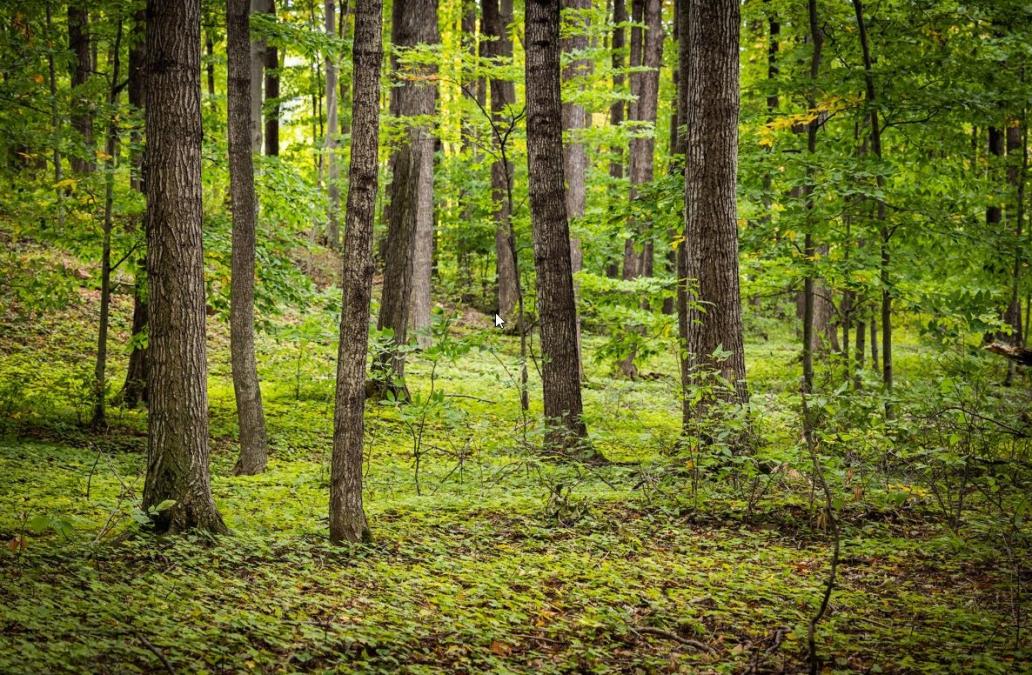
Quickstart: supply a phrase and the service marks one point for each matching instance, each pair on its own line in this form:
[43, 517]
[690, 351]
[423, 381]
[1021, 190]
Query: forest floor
[497, 561]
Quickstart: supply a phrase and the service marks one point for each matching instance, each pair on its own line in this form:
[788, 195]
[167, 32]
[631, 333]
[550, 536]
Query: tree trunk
[110, 163]
[639, 262]
[1017, 168]
[408, 219]
[575, 118]
[556, 306]
[83, 161]
[809, 249]
[258, 55]
[495, 19]
[253, 451]
[884, 231]
[617, 110]
[271, 94]
[331, 138]
[711, 230]
[347, 517]
[134, 391]
[177, 440]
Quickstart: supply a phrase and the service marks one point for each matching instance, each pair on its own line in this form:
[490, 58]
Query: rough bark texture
[617, 107]
[496, 18]
[347, 517]
[556, 306]
[134, 391]
[82, 68]
[413, 23]
[177, 440]
[253, 451]
[575, 118]
[271, 94]
[711, 233]
[331, 139]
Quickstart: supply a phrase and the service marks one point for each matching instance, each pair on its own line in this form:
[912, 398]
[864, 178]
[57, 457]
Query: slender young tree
[134, 391]
[332, 171]
[177, 438]
[258, 55]
[410, 213]
[253, 450]
[560, 373]
[272, 92]
[495, 18]
[347, 517]
[711, 231]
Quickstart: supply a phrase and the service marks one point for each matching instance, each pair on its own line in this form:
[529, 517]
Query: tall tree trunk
[638, 262]
[331, 139]
[254, 454]
[556, 306]
[177, 439]
[347, 517]
[110, 163]
[258, 54]
[1017, 169]
[414, 23]
[134, 391]
[994, 212]
[617, 108]
[885, 233]
[272, 93]
[496, 18]
[575, 119]
[711, 230]
[209, 66]
[82, 68]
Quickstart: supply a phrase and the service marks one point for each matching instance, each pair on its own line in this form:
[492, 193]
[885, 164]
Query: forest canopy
[515, 335]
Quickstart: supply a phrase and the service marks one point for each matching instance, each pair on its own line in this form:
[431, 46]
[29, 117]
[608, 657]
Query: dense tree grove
[710, 316]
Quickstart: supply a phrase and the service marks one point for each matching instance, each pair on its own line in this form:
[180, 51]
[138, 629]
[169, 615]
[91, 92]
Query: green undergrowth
[493, 559]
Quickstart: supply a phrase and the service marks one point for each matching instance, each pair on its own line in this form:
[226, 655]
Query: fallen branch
[157, 652]
[1014, 353]
[688, 642]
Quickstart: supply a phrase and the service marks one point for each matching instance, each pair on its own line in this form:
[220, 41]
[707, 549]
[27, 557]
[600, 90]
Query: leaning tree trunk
[556, 306]
[332, 172]
[347, 517]
[414, 23]
[177, 439]
[134, 391]
[253, 451]
[82, 68]
[496, 18]
[711, 231]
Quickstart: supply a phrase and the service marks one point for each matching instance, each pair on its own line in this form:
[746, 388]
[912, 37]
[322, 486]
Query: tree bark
[347, 517]
[408, 219]
[258, 54]
[253, 451]
[134, 391]
[110, 163]
[79, 43]
[711, 231]
[177, 440]
[556, 306]
[331, 139]
[885, 232]
[272, 93]
[575, 119]
[496, 18]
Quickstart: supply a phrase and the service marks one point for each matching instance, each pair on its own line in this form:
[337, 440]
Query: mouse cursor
[499, 321]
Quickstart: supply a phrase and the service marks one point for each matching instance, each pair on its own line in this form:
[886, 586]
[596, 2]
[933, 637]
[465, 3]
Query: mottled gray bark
[177, 439]
[414, 23]
[258, 55]
[250, 417]
[711, 230]
[556, 306]
[347, 516]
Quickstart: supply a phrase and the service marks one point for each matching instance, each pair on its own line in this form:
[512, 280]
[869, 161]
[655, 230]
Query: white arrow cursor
[499, 321]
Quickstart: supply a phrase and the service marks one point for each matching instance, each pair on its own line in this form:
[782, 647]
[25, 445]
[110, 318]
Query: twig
[688, 642]
[157, 652]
